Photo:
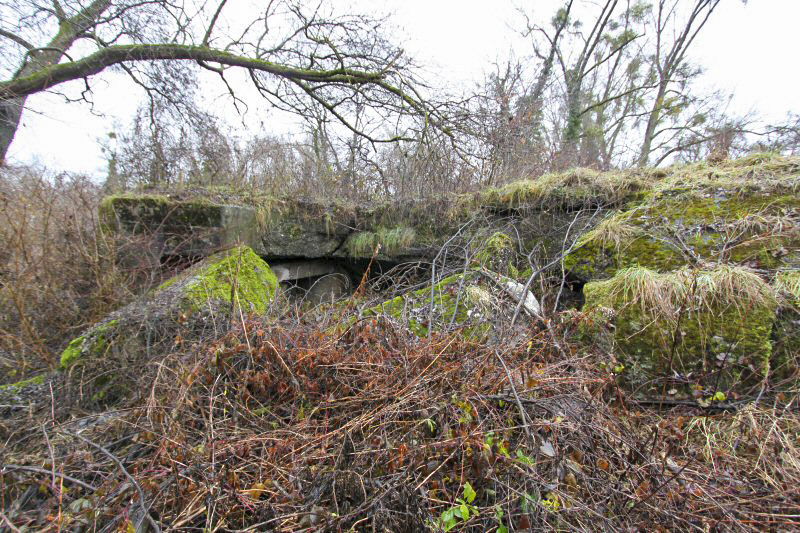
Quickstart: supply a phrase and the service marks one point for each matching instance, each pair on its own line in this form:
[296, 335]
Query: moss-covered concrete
[696, 199]
[457, 301]
[142, 212]
[786, 331]
[93, 343]
[474, 303]
[209, 286]
[238, 272]
[683, 267]
[674, 228]
[496, 252]
[705, 327]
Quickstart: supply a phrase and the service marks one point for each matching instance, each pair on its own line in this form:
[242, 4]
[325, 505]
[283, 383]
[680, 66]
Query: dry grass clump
[788, 282]
[657, 294]
[574, 187]
[764, 172]
[390, 240]
[772, 173]
[612, 233]
[662, 295]
[766, 224]
[733, 285]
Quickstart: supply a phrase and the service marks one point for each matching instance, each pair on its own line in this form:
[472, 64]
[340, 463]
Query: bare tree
[673, 40]
[612, 86]
[298, 56]
[584, 71]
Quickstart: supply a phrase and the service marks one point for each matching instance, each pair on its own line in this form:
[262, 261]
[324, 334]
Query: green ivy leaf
[464, 511]
[448, 519]
[469, 493]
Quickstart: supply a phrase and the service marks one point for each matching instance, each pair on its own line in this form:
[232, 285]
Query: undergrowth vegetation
[288, 426]
[57, 269]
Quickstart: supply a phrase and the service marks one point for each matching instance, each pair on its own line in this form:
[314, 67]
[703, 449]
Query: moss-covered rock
[786, 331]
[496, 252]
[474, 302]
[672, 230]
[238, 272]
[676, 267]
[229, 280]
[449, 303]
[689, 327]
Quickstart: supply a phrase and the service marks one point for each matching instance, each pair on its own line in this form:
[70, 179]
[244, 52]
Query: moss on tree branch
[95, 63]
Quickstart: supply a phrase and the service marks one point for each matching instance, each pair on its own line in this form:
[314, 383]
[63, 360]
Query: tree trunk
[10, 114]
[69, 29]
[652, 122]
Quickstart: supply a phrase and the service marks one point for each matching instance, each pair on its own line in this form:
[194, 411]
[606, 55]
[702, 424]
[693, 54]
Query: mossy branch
[97, 62]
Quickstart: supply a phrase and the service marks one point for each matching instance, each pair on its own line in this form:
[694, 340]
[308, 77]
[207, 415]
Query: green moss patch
[709, 327]
[208, 286]
[237, 273]
[671, 230]
[786, 331]
[496, 252]
[469, 302]
[19, 385]
[94, 343]
[766, 173]
[450, 304]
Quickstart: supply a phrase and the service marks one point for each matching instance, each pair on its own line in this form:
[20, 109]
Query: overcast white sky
[750, 50]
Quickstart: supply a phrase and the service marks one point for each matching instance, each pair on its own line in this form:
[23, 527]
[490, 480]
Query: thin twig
[63, 476]
[9, 523]
[522, 413]
[139, 491]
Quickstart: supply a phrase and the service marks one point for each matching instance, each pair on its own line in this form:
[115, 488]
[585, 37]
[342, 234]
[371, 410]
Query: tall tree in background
[581, 77]
[673, 38]
[611, 85]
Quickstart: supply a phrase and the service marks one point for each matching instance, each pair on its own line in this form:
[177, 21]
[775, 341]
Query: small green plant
[498, 515]
[492, 440]
[463, 510]
[525, 459]
[467, 417]
[718, 397]
[528, 503]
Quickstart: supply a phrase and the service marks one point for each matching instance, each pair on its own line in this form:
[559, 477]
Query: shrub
[57, 274]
